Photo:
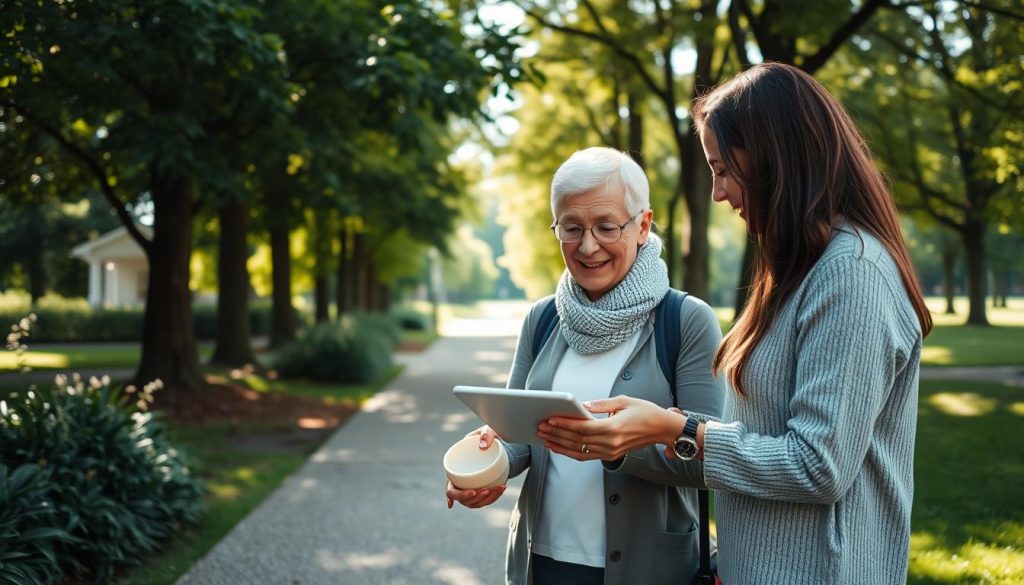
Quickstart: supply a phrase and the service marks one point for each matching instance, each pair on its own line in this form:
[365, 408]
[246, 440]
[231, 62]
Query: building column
[95, 282]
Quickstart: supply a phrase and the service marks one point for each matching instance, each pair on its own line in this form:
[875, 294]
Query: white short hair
[600, 166]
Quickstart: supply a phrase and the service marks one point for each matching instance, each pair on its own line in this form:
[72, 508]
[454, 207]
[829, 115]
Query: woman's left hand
[632, 423]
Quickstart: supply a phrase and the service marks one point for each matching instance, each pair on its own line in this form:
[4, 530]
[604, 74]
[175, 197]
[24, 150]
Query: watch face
[685, 448]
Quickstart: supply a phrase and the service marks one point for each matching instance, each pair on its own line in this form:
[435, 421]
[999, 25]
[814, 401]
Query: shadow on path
[369, 507]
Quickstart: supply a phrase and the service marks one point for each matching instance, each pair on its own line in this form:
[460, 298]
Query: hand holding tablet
[515, 414]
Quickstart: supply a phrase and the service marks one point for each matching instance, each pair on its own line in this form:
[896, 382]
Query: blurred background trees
[333, 157]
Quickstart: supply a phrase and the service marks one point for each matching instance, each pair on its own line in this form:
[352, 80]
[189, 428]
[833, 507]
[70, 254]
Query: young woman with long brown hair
[812, 461]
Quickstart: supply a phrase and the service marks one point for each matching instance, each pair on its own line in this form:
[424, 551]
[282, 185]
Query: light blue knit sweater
[813, 469]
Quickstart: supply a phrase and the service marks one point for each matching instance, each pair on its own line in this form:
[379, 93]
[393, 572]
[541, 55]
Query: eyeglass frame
[554, 229]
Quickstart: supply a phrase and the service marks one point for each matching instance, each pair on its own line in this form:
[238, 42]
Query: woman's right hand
[473, 498]
[476, 498]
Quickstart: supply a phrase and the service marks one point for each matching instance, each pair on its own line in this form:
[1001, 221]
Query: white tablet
[515, 414]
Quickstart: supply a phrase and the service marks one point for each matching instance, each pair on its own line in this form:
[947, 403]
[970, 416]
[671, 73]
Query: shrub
[341, 353]
[382, 323]
[75, 320]
[29, 531]
[117, 484]
[410, 319]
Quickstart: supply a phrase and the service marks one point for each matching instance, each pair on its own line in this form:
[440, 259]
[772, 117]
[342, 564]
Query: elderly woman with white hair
[575, 522]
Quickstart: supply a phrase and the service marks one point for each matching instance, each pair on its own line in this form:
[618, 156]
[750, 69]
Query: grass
[353, 394]
[62, 356]
[237, 479]
[968, 524]
[82, 356]
[952, 343]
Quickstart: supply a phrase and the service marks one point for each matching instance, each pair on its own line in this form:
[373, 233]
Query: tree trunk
[342, 288]
[671, 251]
[321, 239]
[282, 319]
[696, 269]
[1000, 279]
[232, 347]
[384, 297]
[321, 296]
[973, 234]
[359, 272]
[168, 339]
[371, 287]
[636, 130]
[949, 257]
[36, 275]
[746, 277]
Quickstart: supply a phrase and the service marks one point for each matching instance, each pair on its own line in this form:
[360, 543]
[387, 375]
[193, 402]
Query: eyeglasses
[604, 232]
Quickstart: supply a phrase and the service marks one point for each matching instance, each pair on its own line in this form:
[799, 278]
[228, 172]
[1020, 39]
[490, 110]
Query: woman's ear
[645, 227]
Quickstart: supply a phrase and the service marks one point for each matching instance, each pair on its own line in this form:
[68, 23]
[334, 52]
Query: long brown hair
[808, 166]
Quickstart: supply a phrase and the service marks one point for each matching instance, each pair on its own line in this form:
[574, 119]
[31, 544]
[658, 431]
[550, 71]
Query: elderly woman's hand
[632, 423]
[473, 498]
[487, 436]
[476, 498]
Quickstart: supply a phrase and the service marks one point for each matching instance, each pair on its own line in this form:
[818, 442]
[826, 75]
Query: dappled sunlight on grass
[937, 356]
[34, 359]
[223, 491]
[1012, 315]
[970, 345]
[256, 383]
[963, 403]
[967, 522]
[973, 562]
[965, 398]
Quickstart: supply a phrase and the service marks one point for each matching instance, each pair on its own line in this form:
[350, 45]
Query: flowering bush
[117, 485]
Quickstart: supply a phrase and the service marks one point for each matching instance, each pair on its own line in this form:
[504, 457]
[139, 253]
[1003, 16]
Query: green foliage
[117, 483]
[74, 320]
[30, 533]
[409, 319]
[469, 271]
[356, 350]
[382, 323]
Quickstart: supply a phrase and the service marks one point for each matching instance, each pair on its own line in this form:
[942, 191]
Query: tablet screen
[515, 414]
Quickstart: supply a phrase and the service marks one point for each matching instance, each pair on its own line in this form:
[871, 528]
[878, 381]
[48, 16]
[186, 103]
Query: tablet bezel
[515, 414]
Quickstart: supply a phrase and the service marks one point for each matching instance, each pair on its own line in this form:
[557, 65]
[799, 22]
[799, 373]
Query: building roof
[117, 243]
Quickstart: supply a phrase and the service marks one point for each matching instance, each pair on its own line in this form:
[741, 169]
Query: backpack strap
[545, 325]
[666, 343]
[666, 336]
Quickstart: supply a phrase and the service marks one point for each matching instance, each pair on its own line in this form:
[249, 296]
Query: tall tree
[947, 113]
[649, 37]
[136, 94]
[806, 34]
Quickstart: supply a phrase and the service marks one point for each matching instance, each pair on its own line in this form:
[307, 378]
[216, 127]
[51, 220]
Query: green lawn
[238, 478]
[952, 343]
[63, 356]
[968, 521]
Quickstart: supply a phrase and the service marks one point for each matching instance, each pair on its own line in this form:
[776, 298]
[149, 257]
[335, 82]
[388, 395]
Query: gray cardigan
[813, 469]
[650, 514]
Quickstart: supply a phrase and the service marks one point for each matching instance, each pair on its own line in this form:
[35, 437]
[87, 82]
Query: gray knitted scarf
[596, 326]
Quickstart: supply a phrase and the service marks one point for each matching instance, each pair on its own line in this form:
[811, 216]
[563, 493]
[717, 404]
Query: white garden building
[118, 268]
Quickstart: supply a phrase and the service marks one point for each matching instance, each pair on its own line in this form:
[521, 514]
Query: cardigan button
[627, 375]
[615, 556]
[613, 499]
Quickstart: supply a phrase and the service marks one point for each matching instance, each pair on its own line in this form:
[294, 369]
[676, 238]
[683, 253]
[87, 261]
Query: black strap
[666, 336]
[666, 345]
[705, 576]
[545, 325]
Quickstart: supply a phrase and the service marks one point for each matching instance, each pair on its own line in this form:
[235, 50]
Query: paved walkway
[369, 506]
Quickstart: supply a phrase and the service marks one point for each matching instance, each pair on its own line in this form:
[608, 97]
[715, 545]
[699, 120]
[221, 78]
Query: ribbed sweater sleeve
[850, 343]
